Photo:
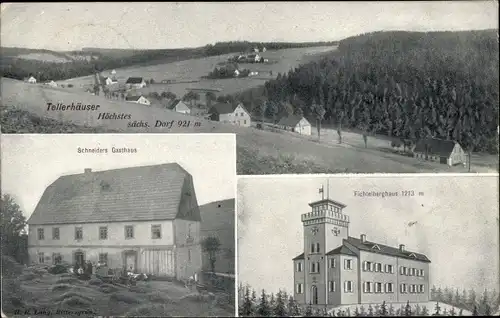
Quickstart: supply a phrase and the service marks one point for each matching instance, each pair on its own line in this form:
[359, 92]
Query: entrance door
[443, 160]
[79, 258]
[130, 261]
[314, 294]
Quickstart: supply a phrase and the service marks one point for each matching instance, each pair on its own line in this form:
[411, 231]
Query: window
[331, 286]
[314, 267]
[236, 114]
[156, 231]
[412, 289]
[245, 121]
[367, 266]
[55, 233]
[189, 255]
[299, 289]
[103, 232]
[78, 233]
[421, 288]
[56, 258]
[189, 230]
[332, 262]
[389, 269]
[413, 272]
[317, 247]
[129, 231]
[299, 266]
[41, 258]
[421, 272]
[348, 264]
[389, 288]
[378, 287]
[407, 270]
[242, 114]
[313, 248]
[376, 247]
[403, 288]
[348, 286]
[368, 287]
[41, 234]
[103, 258]
[378, 267]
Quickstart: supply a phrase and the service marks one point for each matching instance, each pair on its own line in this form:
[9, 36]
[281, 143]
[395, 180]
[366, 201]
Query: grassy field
[429, 305]
[34, 290]
[260, 151]
[193, 69]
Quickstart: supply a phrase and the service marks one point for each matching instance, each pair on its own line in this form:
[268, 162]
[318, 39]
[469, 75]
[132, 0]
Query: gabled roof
[130, 194]
[386, 250]
[177, 102]
[301, 256]
[435, 146]
[290, 121]
[134, 80]
[222, 108]
[133, 98]
[341, 250]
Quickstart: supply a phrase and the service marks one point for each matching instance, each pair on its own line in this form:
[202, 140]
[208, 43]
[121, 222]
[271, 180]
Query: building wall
[457, 156]
[239, 117]
[408, 280]
[349, 275]
[303, 127]
[188, 248]
[182, 109]
[299, 278]
[378, 277]
[334, 297]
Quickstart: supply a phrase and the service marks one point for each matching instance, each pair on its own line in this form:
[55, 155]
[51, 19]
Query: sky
[30, 163]
[457, 224]
[154, 25]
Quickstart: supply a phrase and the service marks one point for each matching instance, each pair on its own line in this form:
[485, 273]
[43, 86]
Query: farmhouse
[218, 221]
[138, 99]
[135, 82]
[179, 106]
[296, 124]
[143, 218]
[32, 80]
[51, 84]
[110, 80]
[443, 151]
[227, 113]
[337, 269]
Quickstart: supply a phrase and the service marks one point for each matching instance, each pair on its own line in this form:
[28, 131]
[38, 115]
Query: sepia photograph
[307, 87]
[318, 245]
[118, 225]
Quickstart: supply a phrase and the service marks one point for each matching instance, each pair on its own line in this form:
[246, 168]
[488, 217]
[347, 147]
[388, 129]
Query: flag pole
[328, 188]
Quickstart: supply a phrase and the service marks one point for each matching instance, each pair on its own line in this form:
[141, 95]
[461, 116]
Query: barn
[296, 124]
[447, 152]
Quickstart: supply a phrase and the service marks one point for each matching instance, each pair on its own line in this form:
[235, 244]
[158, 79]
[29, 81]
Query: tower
[325, 228]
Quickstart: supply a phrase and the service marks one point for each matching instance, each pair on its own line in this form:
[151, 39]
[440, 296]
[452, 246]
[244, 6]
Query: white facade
[32, 80]
[303, 127]
[142, 100]
[238, 117]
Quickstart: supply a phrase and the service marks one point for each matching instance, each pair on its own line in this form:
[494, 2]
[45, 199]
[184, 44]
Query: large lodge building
[337, 269]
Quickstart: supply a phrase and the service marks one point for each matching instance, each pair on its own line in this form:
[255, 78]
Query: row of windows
[57, 258]
[370, 287]
[326, 207]
[242, 114]
[103, 232]
[348, 287]
[315, 266]
[411, 271]
[414, 289]
[377, 267]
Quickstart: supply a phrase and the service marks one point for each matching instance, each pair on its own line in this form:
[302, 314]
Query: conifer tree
[309, 311]
[474, 311]
[263, 308]
[246, 307]
[445, 312]
[452, 311]
[408, 309]
[425, 311]
[437, 309]
[370, 310]
[391, 311]
[280, 309]
[383, 309]
[461, 312]
[362, 310]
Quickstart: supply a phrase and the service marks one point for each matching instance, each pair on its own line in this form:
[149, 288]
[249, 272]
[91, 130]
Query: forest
[406, 85]
[253, 304]
[13, 67]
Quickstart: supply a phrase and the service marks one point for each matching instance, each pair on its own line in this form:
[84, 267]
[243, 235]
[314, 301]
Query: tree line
[13, 231]
[479, 304]
[406, 85]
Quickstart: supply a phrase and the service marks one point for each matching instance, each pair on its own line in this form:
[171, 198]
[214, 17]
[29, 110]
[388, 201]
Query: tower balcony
[324, 214]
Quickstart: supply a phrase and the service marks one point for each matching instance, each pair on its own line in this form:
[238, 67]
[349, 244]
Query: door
[79, 258]
[130, 262]
[314, 294]
[443, 160]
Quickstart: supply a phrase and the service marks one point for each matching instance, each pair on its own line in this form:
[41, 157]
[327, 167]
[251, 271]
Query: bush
[68, 280]
[70, 85]
[60, 287]
[76, 301]
[107, 288]
[11, 268]
[96, 282]
[58, 269]
[128, 299]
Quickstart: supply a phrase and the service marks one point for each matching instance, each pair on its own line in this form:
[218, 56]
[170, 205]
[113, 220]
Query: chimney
[363, 238]
[87, 170]
[401, 247]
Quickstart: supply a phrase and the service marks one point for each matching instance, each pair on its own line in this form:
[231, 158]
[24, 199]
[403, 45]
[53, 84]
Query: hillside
[218, 221]
[259, 151]
[405, 85]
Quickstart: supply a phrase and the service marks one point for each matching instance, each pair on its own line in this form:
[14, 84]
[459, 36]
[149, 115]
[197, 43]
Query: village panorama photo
[375, 245]
[306, 86]
[118, 225]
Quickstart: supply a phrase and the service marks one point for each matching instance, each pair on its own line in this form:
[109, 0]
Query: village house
[179, 106]
[138, 100]
[135, 82]
[338, 269]
[51, 84]
[296, 124]
[31, 80]
[439, 150]
[218, 221]
[228, 113]
[110, 80]
[236, 73]
[145, 219]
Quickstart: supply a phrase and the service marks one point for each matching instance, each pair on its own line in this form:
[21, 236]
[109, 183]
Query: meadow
[259, 151]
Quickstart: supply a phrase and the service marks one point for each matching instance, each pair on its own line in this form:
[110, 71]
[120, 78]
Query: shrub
[70, 85]
[58, 269]
[68, 280]
[11, 268]
[95, 282]
[60, 287]
[40, 271]
[129, 299]
[76, 301]
[107, 288]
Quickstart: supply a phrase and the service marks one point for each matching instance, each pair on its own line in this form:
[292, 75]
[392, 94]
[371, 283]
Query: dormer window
[413, 255]
[105, 186]
[375, 247]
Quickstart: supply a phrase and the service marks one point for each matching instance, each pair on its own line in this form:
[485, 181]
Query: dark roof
[290, 121]
[129, 194]
[222, 108]
[434, 146]
[301, 256]
[134, 98]
[134, 80]
[342, 250]
[386, 250]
